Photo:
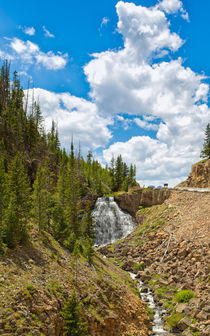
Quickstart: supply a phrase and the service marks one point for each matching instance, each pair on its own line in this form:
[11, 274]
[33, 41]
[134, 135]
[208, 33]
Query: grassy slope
[37, 279]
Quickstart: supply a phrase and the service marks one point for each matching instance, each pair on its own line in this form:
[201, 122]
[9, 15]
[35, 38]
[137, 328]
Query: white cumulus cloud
[127, 81]
[173, 6]
[30, 52]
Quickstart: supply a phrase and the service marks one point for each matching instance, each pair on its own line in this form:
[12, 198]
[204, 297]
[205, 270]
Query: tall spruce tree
[206, 146]
[17, 198]
[2, 197]
[41, 197]
[72, 196]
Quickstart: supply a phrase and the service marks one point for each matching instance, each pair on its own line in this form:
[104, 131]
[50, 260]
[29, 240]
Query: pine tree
[88, 222]
[206, 146]
[41, 197]
[89, 250]
[2, 197]
[89, 161]
[118, 173]
[74, 326]
[17, 198]
[72, 196]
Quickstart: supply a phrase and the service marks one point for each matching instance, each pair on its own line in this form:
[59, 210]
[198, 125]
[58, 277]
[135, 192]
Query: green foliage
[205, 153]
[74, 326]
[41, 197]
[139, 266]
[40, 183]
[174, 319]
[30, 287]
[54, 288]
[70, 242]
[150, 313]
[17, 201]
[88, 222]
[184, 296]
[89, 250]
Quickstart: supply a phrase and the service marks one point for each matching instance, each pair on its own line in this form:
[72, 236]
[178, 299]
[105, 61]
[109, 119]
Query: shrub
[31, 288]
[139, 266]
[184, 296]
[174, 319]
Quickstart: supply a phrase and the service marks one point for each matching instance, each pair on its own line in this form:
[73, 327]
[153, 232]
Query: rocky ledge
[131, 200]
[199, 176]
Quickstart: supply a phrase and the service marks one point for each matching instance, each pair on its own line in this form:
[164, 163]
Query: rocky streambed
[156, 312]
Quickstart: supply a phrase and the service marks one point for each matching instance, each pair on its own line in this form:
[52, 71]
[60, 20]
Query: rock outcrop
[199, 176]
[131, 200]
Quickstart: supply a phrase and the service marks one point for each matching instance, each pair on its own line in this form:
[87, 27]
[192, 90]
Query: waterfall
[111, 223]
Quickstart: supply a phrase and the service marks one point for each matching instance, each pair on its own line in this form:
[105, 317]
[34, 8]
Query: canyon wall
[130, 201]
[200, 175]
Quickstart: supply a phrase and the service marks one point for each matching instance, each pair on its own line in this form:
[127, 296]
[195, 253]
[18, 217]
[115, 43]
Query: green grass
[150, 313]
[138, 267]
[174, 319]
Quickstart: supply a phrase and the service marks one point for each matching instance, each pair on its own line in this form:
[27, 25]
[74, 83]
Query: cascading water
[111, 223]
[146, 296]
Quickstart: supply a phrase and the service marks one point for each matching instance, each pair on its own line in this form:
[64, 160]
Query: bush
[31, 288]
[174, 319]
[184, 296]
[139, 266]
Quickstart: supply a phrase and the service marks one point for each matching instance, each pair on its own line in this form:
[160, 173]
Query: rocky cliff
[199, 176]
[38, 278]
[130, 201]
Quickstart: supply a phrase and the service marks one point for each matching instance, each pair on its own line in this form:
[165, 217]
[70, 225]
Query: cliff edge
[199, 176]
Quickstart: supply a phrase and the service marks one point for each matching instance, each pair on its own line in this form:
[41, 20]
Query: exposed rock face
[130, 201]
[199, 176]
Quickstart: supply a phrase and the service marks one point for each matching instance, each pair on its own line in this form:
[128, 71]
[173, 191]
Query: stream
[147, 297]
[112, 224]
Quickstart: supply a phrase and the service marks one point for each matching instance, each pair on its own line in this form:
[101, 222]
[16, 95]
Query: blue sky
[143, 94]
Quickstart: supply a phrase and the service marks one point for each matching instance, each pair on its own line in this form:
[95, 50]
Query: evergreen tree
[72, 196]
[118, 173]
[41, 197]
[89, 250]
[89, 161]
[17, 198]
[2, 197]
[206, 146]
[74, 326]
[88, 222]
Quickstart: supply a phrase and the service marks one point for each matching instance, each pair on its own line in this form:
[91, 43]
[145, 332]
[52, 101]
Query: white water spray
[111, 223]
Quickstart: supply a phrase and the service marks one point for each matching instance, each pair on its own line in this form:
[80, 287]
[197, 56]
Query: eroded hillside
[36, 280]
[170, 253]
